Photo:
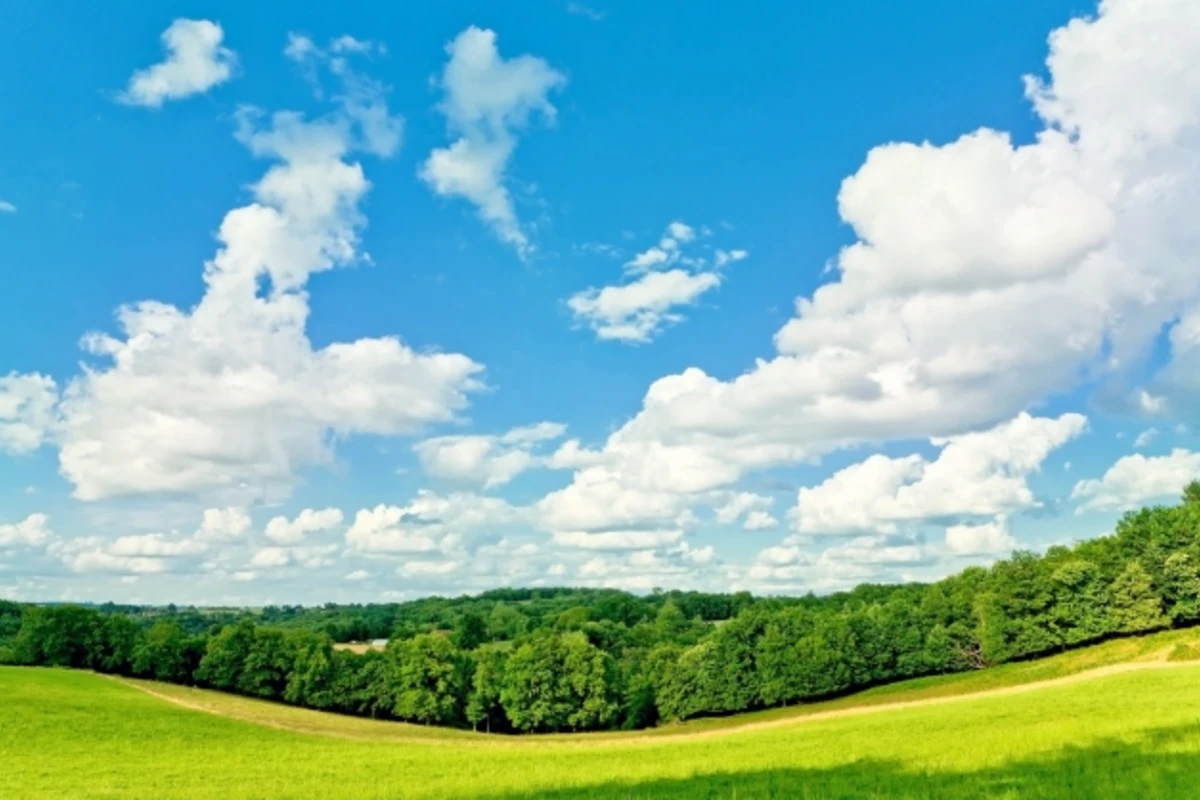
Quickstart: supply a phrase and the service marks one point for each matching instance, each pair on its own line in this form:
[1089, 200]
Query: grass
[1137, 733]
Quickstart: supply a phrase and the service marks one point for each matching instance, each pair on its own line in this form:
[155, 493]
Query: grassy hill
[1116, 720]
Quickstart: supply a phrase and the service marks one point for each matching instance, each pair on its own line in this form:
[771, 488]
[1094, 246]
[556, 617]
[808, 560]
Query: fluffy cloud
[195, 63]
[7, 207]
[635, 312]
[27, 411]
[410, 569]
[488, 461]
[989, 538]
[430, 522]
[223, 524]
[283, 531]
[231, 396]
[1086, 235]
[33, 530]
[638, 310]
[488, 100]
[1136, 478]
[1146, 438]
[981, 473]
[618, 540]
[128, 555]
[750, 505]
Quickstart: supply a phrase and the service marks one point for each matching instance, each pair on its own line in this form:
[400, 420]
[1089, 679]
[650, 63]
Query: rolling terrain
[1118, 719]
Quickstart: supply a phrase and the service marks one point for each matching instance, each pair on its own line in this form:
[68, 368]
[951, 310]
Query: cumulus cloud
[431, 522]
[487, 101]
[138, 554]
[667, 278]
[749, 505]
[283, 531]
[1146, 438]
[223, 524]
[231, 396]
[635, 312]
[27, 411]
[1135, 479]
[33, 530]
[982, 473]
[989, 538]
[1086, 235]
[195, 62]
[7, 207]
[488, 461]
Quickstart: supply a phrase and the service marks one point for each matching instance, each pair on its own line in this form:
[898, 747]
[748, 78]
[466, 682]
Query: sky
[311, 302]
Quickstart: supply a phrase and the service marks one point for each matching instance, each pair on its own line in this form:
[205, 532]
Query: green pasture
[1136, 733]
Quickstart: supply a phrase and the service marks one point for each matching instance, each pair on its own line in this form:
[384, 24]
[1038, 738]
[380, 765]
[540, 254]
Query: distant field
[359, 647]
[1131, 730]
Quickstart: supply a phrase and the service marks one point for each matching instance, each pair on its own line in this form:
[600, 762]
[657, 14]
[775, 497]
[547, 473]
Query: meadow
[1120, 719]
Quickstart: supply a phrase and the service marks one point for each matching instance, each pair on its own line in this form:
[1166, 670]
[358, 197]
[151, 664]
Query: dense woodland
[518, 660]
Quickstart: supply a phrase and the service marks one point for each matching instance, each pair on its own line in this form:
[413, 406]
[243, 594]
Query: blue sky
[529, 295]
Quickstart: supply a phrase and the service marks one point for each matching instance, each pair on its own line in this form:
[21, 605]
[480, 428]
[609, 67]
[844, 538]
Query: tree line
[517, 661]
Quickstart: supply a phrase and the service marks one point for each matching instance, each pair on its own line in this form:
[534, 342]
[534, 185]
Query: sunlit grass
[76, 735]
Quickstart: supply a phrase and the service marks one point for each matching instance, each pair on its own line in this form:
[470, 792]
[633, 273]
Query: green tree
[487, 680]
[1181, 587]
[162, 654]
[429, 680]
[313, 676]
[225, 656]
[559, 682]
[470, 631]
[1081, 602]
[1135, 606]
[114, 644]
[267, 664]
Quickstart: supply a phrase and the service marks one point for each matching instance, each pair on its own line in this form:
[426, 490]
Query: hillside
[1028, 730]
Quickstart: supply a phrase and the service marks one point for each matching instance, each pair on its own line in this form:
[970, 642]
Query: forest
[543, 660]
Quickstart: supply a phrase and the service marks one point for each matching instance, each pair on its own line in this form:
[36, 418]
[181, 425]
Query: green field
[1025, 730]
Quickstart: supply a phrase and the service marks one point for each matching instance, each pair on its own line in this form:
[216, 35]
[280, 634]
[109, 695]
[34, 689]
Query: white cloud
[430, 522]
[127, 555]
[723, 257]
[7, 207]
[989, 538]
[1146, 438]
[488, 99]
[195, 63]
[348, 44]
[1135, 479]
[488, 461]
[358, 575]
[410, 569]
[618, 540]
[637, 311]
[640, 309]
[981, 473]
[231, 396]
[271, 557]
[27, 411]
[283, 531]
[33, 530]
[1086, 235]
[223, 524]
[154, 545]
[742, 503]
[760, 521]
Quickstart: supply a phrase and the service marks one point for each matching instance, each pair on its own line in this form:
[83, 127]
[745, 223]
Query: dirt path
[596, 740]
